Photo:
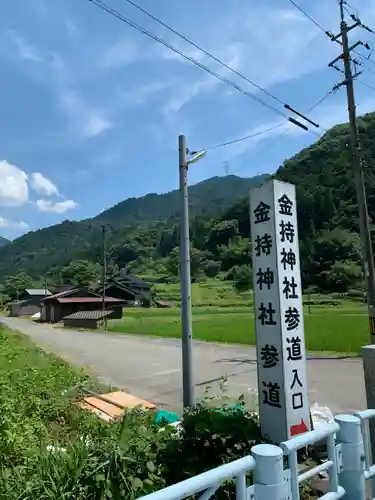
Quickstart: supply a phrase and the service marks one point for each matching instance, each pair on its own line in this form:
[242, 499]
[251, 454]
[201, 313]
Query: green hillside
[47, 250]
[3, 241]
[143, 233]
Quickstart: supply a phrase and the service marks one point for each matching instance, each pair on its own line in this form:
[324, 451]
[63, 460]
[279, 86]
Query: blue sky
[91, 109]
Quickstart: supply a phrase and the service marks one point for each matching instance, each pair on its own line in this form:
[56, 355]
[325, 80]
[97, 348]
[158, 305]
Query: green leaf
[151, 466]
[137, 483]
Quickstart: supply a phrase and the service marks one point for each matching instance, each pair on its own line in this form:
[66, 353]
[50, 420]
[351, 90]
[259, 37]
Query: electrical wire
[309, 17]
[279, 136]
[101, 5]
[208, 53]
[205, 51]
[241, 139]
[329, 33]
[366, 84]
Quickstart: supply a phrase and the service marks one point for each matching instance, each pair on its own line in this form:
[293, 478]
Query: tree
[81, 273]
[14, 285]
[242, 277]
[331, 247]
[173, 264]
[237, 253]
[196, 257]
[340, 277]
[222, 233]
[124, 253]
[211, 268]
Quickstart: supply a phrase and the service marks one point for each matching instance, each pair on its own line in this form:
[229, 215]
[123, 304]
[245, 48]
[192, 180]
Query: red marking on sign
[372, 326]
[298, 428]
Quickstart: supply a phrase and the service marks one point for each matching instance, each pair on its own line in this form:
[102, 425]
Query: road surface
[150, 368]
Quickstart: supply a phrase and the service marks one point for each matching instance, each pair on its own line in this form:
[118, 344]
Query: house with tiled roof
[29, 302]
[56, 307]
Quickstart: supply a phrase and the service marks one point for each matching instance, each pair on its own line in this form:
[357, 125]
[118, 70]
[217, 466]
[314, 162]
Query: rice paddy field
[220, 314]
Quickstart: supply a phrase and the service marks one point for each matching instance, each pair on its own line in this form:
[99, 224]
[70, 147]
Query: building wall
[91, 324]
[117, 312]
[55, 312]
[24, 310]
[118, 293]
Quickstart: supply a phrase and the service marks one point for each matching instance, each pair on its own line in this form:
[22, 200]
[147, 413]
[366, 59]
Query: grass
[206, 294]
[92, 460]
[90, 457]
[98, 461]
[337, 328]
[35, 395]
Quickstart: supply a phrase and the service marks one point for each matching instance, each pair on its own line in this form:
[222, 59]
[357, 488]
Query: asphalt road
[150, 368]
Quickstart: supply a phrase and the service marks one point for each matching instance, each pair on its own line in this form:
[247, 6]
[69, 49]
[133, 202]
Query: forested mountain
[47, 250]
[143, 233]
[208, 198]
[3, 241]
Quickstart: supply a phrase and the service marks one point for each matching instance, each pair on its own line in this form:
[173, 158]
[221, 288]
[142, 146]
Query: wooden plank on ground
[112, 412]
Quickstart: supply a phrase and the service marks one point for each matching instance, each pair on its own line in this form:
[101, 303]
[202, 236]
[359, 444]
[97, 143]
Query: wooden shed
[49, 303]
[58, 306]
[86, 319]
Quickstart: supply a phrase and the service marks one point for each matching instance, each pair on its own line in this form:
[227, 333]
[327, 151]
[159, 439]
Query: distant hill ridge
[38, 251]
[3, 241]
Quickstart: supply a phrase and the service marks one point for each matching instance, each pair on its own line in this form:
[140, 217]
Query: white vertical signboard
[283, 397]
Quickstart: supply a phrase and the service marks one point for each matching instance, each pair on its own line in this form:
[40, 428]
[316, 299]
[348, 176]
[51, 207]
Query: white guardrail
[349, 465]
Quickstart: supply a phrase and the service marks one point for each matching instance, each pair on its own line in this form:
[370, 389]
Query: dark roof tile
[88, 315]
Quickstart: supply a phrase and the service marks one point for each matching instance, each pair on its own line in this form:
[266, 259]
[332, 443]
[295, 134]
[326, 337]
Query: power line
[318, 103]
[329, 32]
[205, 51]
[100, 4]
[183, 37]
[309, 17]
[356, 19]
[366, 84]
[357, 159]
[241, 139]
[279, 136]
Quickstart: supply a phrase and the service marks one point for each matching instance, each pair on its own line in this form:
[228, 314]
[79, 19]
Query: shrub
[210, 437]
[53, 450]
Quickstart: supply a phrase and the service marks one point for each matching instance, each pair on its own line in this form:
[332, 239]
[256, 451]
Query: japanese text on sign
[278, 311]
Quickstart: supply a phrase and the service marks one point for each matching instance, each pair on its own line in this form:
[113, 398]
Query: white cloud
[186, 93]
[58, 208]
[13, 185]
[42, 185]
[24, 49]
[269, 45]
[120, 54]
[9, 224]
[71, 27]
[332, 114]
[86, 121]
[141, 93]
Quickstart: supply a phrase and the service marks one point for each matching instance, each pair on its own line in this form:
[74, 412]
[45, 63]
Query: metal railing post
[241, 492]
[351, 457]
[269, 478]
[365, 416]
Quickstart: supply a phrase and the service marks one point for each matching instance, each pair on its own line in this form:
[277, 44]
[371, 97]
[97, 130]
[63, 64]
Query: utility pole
[45, 285]
[186, 313]
[364, 223]
[104, 272]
